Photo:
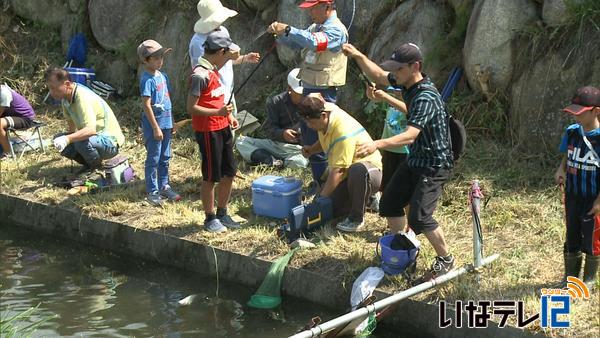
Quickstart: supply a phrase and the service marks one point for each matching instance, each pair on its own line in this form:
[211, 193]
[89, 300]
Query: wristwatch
[287, 30]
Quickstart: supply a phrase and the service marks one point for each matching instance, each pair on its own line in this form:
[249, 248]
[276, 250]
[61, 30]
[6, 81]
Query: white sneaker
[348, 225]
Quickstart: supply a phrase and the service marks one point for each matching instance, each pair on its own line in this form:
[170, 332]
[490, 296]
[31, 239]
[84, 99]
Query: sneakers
[215, 226]
[441, 266]
[155, 199]
[5, 157]
[349, 225]
[168, 193]
[374, 202]
[227, 221]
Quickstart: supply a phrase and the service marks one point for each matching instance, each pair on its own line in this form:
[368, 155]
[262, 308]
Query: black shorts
[390, 161]
[216, 150]
[17, 122]
[420, 188]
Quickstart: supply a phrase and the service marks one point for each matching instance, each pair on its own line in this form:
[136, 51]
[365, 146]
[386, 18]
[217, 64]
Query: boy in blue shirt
[157, 122]
[579, 173]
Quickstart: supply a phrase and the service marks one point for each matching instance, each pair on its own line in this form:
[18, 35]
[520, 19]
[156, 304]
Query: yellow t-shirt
[340, 140]
[89, 110]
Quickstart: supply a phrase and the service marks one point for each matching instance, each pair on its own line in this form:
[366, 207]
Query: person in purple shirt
[15, 112]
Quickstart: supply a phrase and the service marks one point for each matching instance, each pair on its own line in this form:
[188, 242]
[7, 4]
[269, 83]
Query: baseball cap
[151, 48]
[585, 99]
[294, 81]
[405, 54]
[310, 3]
[218, 39]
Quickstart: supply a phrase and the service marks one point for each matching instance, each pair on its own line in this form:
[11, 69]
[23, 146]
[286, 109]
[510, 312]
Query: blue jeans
[318, 162]
[92, 151]
[158, 154]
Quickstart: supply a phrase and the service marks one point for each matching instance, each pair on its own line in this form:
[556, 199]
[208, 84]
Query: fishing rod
[262, 60]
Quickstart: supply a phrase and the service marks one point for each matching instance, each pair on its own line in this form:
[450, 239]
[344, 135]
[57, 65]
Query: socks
[209, 217]
[221, 212]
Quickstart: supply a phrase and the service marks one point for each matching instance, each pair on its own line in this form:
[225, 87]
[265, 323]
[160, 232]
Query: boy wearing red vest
[212, 122]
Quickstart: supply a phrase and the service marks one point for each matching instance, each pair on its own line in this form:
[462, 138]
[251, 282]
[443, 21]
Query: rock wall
[497, 51]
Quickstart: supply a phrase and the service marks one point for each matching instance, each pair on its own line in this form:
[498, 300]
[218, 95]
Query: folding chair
[28, 140]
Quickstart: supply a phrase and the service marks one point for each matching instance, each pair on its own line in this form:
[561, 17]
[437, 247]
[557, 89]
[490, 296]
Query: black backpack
[458, 136]
[456, 129]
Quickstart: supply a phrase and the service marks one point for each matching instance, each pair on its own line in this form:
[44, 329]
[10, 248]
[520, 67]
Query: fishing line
[216, 269]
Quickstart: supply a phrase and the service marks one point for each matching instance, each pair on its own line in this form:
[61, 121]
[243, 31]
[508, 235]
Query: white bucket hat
[294, 81]
[212, 15]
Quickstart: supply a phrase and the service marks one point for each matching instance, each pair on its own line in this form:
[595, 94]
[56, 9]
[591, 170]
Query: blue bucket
[394, 262]
[81, 75]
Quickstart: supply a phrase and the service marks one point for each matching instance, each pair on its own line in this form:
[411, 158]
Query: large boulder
[368, 14]
[47, 12]
[544, 88]
[488, 45]
[258, 5]
[269, 14]
[269, 78]
[418, 21]
[555, 12]
[115, 71]
[175, 32]
[290, 14]
[77, 6]
[116, 24]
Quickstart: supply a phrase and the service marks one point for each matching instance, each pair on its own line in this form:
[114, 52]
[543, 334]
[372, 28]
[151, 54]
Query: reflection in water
[98, 294]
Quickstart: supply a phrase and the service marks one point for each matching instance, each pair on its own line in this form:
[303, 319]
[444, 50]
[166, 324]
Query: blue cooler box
[81, 75]
[275, 196]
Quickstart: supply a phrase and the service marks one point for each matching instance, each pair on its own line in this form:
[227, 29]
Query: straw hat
[212, 15]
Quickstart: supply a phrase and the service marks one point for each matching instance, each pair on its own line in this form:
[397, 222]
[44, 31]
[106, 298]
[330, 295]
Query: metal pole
[475, 198]
[366, 311]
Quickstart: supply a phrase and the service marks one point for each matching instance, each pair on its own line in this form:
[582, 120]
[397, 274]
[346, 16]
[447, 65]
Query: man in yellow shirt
[351, 179]
[93, 133]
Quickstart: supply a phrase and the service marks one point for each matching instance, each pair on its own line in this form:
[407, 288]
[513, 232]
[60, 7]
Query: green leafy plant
[20, 324]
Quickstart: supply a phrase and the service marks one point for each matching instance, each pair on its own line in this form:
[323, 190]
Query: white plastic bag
[363, 287]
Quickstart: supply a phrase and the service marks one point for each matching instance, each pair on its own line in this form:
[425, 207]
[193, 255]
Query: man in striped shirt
[418, 182]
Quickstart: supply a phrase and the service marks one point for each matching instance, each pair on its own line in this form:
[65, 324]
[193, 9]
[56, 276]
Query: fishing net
[268, 295]
[370, 328]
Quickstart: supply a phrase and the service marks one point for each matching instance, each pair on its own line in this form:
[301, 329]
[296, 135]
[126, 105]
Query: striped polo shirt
[427, 113]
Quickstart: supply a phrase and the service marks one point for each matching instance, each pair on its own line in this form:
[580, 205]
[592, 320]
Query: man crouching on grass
[212, 122]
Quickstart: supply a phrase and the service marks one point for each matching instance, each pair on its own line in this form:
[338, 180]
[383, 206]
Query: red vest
[211, 97]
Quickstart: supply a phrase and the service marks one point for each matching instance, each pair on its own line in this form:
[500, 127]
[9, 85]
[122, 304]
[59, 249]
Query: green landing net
[268, 295]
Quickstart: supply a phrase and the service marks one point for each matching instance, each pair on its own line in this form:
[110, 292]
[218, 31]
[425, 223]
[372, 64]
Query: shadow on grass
[39, 170]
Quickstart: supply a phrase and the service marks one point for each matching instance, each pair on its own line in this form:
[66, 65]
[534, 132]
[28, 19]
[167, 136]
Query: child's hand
[225, 110]
[158, 135]
[251, 58]
[559, 176]
[233, 122]
[595, 208]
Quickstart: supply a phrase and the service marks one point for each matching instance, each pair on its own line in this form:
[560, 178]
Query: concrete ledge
[410, 317]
